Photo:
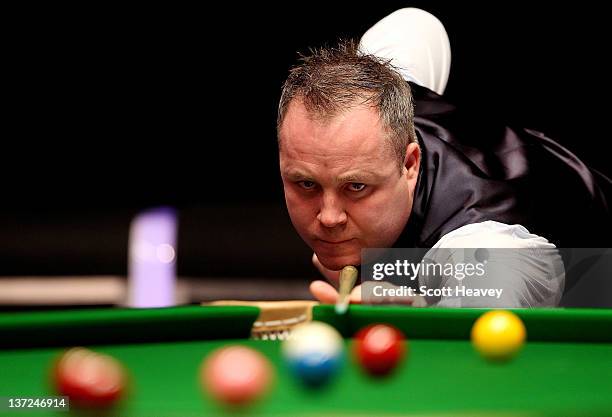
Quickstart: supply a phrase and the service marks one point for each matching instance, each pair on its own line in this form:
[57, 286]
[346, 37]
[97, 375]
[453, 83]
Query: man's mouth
[334, 242]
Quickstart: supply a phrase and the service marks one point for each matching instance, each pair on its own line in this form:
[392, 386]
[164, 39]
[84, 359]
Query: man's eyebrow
[297, 175]
[355, 176]
[359, 176]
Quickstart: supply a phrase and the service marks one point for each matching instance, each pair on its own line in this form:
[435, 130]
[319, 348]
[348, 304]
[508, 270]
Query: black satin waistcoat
[475, 169]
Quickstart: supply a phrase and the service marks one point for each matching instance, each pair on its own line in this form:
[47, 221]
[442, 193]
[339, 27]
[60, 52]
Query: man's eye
[307, 185]
[356, 186]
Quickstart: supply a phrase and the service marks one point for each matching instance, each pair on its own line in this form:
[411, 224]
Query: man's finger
[323, 292]
[355, 297]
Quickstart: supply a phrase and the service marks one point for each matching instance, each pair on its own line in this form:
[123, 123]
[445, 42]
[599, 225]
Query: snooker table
[565, 368]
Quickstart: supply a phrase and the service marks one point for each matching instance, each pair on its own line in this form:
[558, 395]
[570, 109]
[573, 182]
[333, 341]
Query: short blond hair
[331, 80]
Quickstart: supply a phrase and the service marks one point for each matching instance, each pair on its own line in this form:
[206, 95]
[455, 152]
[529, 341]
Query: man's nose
[332, 211]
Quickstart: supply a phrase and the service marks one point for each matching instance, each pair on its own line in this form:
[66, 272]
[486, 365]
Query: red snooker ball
[236, 375]
[379, 348]
[89, 378]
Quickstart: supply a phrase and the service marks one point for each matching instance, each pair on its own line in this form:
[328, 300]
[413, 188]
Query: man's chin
[336, 263]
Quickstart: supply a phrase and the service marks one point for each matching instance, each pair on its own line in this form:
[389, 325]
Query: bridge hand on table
[327, 293]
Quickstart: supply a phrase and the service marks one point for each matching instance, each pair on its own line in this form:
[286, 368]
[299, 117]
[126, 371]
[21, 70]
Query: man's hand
[328, 294]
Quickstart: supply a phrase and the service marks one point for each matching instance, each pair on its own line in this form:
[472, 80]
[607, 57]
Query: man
[362, 169]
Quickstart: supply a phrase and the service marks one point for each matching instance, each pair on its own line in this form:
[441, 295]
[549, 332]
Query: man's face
[342, 185]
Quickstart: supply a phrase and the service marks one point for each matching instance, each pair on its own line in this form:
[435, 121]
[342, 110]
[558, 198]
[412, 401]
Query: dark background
[113, 110]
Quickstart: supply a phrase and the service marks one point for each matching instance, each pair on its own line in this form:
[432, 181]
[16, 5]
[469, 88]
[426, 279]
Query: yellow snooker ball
[498, 335]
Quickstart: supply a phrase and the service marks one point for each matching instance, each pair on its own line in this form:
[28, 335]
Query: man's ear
[412, 160]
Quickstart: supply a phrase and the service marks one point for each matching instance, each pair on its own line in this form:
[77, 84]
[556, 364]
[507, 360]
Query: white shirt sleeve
[520, 269]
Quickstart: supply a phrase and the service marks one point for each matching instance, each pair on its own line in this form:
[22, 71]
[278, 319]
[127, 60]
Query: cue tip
[341, 308]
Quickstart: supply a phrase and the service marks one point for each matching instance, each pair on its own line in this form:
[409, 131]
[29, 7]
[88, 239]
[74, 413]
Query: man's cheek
[294, 205]
[366, 216]
[302, 214]
[298, 204]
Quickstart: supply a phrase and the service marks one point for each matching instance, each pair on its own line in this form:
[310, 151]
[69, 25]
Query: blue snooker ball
[314, 353]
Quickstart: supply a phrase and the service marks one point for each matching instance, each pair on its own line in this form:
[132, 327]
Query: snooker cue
[348, 276]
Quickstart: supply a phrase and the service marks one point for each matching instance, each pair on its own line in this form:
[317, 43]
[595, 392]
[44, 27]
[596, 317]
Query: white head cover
[416, 43]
